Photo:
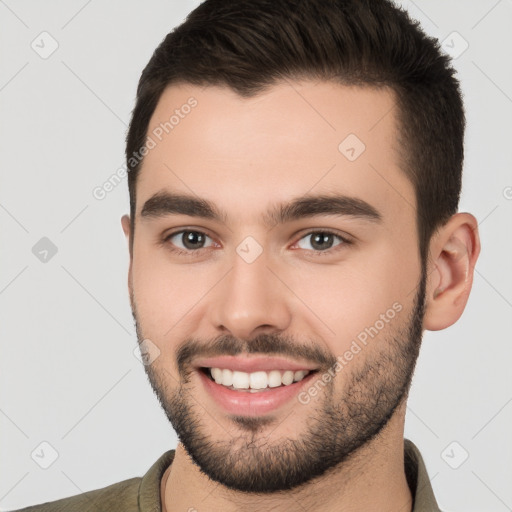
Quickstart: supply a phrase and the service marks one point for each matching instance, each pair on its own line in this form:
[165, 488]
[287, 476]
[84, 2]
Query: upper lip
[252, 364]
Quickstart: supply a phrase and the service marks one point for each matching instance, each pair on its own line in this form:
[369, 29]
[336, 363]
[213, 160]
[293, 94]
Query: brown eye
[320, 241]
[189, 240]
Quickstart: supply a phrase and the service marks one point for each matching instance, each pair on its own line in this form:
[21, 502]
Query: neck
[372, 479]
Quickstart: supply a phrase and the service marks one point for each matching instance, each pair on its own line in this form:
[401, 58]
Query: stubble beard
[254, 461]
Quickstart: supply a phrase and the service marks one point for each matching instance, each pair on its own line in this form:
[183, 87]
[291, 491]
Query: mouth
[253, 386]
[254, 382]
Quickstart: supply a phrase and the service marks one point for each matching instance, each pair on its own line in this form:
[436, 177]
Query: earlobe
[454, 250]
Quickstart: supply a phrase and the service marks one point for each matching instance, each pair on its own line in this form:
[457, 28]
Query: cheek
[158, 292]
[168, 296]
[342, 301]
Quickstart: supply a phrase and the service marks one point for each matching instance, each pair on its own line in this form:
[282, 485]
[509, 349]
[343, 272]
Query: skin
[245, 155]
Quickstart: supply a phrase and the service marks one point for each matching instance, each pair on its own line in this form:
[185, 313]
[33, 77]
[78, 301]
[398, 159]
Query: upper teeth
[256, 380]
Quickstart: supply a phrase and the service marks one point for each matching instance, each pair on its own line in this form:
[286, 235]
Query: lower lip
[245, 403]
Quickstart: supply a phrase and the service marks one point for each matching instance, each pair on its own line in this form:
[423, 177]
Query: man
[295, 170]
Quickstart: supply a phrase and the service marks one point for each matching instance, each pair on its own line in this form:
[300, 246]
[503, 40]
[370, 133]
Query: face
[279, 291]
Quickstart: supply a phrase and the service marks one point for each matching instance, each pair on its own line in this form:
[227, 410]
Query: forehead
[295, 138]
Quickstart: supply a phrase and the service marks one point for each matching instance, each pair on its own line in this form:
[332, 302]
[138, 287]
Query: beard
[343, 422]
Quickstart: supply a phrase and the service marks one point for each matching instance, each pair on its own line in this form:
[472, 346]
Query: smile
[254, 381]
[253, 385]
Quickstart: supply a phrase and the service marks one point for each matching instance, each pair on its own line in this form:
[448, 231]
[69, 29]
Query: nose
[250, 300]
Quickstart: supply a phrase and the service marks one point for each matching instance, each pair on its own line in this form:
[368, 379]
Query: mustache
[264, 344]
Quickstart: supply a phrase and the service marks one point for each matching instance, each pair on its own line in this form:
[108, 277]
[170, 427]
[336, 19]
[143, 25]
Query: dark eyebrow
[165, 203]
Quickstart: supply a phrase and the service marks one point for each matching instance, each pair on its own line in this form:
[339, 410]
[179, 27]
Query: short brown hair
[248, 45]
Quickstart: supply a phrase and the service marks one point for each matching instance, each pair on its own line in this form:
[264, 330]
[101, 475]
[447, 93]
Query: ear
[125, 223]
[454, 249]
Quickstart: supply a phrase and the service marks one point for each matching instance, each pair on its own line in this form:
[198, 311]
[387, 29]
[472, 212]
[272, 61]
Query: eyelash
[181, 252]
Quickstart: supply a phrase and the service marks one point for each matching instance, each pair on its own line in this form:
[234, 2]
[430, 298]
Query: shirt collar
[418, 479]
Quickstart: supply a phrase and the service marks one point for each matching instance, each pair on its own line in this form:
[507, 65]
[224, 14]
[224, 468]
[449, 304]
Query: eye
[321, 241]
[187, 241]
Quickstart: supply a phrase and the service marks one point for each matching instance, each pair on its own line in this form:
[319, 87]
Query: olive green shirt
[142, 494]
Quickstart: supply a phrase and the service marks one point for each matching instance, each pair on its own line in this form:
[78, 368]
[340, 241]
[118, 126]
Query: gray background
[68, 372]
